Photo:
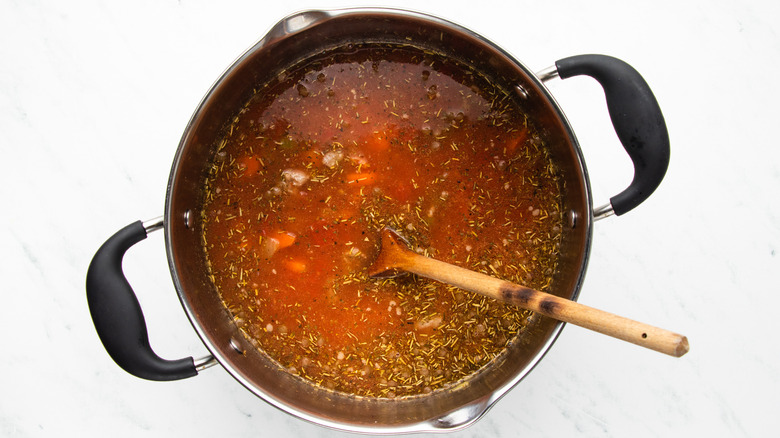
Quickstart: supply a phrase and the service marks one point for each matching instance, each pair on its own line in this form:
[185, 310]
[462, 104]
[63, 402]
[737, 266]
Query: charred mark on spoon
[518, 295]
[549, 306]
[522, 296]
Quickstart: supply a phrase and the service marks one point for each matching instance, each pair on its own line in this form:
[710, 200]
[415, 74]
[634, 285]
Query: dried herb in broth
[319, 161]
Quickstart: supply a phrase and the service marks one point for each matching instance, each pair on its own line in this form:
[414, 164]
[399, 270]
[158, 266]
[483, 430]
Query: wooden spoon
[395, 258]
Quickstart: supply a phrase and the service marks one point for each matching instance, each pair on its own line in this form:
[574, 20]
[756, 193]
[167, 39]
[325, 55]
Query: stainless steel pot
[118, 318]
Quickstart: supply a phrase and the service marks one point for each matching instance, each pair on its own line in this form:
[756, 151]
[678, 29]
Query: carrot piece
[516, 140]
[378, 141]
[361, 179]
[283, 238]
[249, 164]
[296, 266]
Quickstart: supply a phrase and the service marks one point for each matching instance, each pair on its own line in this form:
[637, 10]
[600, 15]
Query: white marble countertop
[95, 95]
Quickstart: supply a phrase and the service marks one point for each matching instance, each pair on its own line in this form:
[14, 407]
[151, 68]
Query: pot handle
[637, 120]
[117, 315]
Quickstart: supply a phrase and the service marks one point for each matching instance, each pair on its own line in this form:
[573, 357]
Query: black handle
[118, 317]
[637, 119]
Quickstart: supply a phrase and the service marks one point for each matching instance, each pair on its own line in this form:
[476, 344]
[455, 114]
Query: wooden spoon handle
[559, 308]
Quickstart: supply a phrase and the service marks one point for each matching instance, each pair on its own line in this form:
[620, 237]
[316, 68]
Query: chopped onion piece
[295, 177]
[333, 158]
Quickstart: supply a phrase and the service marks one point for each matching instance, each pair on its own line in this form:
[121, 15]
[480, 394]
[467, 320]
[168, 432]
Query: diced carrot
[283, 238]
[378, 141]
[361, 179]
[515, 141]
[249, 164]
[295, 265]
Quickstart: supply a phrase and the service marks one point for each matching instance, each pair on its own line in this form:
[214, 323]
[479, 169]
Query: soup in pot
[350, 141]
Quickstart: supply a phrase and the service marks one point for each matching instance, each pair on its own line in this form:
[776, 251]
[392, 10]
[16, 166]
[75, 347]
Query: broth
[320, 160]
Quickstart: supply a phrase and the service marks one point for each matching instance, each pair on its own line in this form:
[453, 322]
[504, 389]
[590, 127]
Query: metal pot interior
[291, 40]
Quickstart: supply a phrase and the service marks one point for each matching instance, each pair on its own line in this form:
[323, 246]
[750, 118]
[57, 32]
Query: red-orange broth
[318, 161]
